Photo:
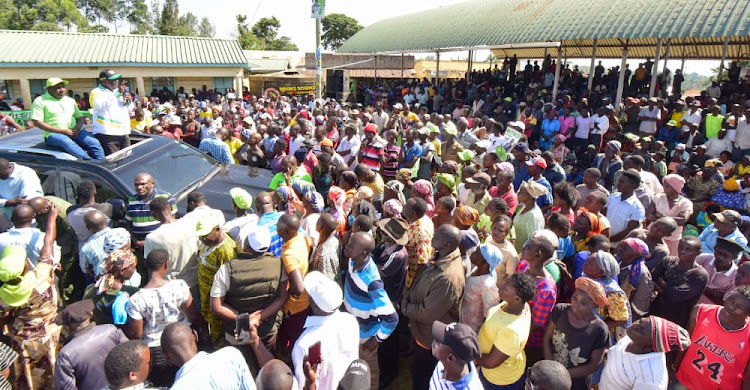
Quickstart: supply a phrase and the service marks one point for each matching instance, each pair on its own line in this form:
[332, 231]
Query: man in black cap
[455, 347]
[79, 362]
[110, 113]
[520, 153]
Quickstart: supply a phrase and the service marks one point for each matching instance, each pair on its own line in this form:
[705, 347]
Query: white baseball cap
[323, 291]
[258, 238]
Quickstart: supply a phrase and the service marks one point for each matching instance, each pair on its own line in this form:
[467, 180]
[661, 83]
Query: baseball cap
[480, 178]
[458, 337]
[109, 74]
[206, 225]
[466, 155]
[241, 198]
[652, 100]
[51, 82]
[484, 144]
[75, 313]
[326, 142]
[538, 161]
[729, 216]
[534, 189]
[450, 128]
[714, 162]
[372, 128]
[522, 147]
[508, 99]
[324, 292]
[517, 124]
[398, 106]
[672, 123]
[258, 238]
[423, 131]
[356, 376]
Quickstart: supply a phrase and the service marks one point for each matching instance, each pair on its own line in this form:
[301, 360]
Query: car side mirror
[118, 209]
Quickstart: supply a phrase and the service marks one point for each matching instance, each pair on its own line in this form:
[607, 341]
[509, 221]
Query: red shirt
[509, 197]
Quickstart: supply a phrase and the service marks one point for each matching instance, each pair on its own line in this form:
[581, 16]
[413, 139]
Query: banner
[318, 9]
[19, 116]
[297, 89]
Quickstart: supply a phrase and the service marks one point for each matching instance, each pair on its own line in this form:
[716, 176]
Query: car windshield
[173, 167]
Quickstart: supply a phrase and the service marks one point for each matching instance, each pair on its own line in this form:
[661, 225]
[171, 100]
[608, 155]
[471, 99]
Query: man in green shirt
[60, 120]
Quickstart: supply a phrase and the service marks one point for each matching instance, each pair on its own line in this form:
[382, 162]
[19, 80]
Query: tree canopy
[263, 35]
[337, 28]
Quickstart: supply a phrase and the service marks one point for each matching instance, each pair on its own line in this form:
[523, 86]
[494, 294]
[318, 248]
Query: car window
[173, 167]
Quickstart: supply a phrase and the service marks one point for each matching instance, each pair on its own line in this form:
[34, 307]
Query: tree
[337, 28]
[40, 15]
[169, 18]
[263, 35]
[139, 17]
[206, 28]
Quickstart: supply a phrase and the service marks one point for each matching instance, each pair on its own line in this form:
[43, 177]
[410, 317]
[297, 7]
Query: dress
[326, 259]
[682, 206]
[158, 307]
[419, 246]
[210, 259]
[480, 294]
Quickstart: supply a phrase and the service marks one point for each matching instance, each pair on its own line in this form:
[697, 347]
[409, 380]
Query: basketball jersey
[716, 357]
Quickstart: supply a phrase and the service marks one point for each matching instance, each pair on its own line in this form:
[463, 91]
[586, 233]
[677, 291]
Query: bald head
[360, 246]
[263, 203]
[446, 239]
[275, 375]
[95, 221]
[40, 205]
[22, 216]
[288, 226]
[328, 222]
[179, 343]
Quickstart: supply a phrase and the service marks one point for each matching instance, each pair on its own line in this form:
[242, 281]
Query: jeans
[738, 153]
[75, 146]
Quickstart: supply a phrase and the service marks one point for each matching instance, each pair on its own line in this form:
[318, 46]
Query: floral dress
[480, 294]
[419, 246]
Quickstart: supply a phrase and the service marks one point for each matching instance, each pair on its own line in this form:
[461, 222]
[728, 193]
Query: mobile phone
[313, 354]
[242, 327]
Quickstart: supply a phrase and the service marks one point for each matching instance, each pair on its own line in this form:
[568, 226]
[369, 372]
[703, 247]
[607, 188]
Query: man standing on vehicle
[110, 111]
[60, 120]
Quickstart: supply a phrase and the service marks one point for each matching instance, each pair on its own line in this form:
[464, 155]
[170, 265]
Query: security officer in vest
[252, 283]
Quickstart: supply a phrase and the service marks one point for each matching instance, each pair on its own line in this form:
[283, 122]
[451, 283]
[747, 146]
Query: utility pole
[318, 61]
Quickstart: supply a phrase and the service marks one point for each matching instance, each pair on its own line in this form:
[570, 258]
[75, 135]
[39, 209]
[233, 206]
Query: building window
[160, 82]
[222, 83]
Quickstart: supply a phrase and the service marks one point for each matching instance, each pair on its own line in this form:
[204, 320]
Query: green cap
[54, 81]
[672, 123]
[466, 155]
[508, 99]
[241, 198]
[450, 129]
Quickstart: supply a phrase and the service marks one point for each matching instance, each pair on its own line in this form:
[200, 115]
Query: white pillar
[666, 54]
[655, 69]
[437, 71]
[238, 83]
[621, 79]
[723, 58]
[140, 86]
[558, 65]
[469, 60]
[591, 69]
[26, 92]
[402, 65]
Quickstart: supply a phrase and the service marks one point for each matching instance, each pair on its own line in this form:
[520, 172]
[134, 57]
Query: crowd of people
[502, 241]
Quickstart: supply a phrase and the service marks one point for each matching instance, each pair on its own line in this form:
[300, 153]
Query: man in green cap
[60, 120]
[111, 114]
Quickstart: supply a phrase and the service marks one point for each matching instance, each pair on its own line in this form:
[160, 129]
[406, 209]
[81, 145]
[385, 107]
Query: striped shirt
[139, 214]
[7, 357]
[625, 370]
[371, 155]
[366, 299]
[217, 149]
[469, 382]
[270, 222]
[92, 253]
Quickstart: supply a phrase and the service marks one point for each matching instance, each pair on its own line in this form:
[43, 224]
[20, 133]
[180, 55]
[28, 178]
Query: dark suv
[177, 168]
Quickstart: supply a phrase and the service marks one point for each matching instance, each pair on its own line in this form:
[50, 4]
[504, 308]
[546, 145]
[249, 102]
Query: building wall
[195, 82]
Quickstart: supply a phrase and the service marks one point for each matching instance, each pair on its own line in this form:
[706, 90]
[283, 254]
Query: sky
[296, 22]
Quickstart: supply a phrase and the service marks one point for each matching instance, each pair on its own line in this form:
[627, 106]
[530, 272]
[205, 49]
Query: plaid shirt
[541, 305]
[217, 149]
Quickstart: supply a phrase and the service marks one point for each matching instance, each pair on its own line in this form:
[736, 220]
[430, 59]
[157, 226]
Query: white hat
[517, 124]
[324, 292]
[258, 238]
[548, 235]
[231, 95]
[398, 106]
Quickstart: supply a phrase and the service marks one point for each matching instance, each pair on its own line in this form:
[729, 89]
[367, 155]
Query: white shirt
[352, 145]
[650, 181]
[222, 370]
[602, 122]
[714, 146]
[628, 371]
[234, 227]
[179, 239]
[620, 212]
[381, 120]
[584, 126]
[338, 348]
[23, 181]
[295, 144]
[470, 381]
[691, 117]
[30, 238]
[742, 141]
[648, 126]
[110, 113]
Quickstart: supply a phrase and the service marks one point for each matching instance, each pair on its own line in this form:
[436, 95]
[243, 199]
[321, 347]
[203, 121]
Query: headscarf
[397, 187]
[667, 336]
[506, 166]
[607, 263]
[363, 193]
[115, 239]
[404, 174]
[286, 194]
[452, 166]
[366, 208]
[315, 200]
[115, 262]
[492, 255]
[392, 208]
[12, 265]
[641, 249]
[614, 146]
[351, 178]
[675, 181]
[448, 181]
[466, 215]
[424, 188]
[303, 186]
[596, 226]
[560, 138]
[337, 196]
[593, 289]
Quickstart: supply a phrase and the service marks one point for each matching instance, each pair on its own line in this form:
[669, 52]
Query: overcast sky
[296, 23]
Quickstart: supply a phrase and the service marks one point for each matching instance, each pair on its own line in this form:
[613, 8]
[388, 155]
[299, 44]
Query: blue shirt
[223, 369]
[710, 234]
[365, 298]
[270, 222]
[469, 382]
[544, 200]
[411, 153]
[92, 253]
[550, 127]
[217, 149]
[522, 174]
[565, 248]
[23, 181]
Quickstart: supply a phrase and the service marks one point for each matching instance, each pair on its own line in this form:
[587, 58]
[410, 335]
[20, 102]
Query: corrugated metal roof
[699, 24]
[267, 65]
[43, 48]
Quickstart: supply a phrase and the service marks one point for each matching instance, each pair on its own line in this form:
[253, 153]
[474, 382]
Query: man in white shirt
[714, 91]
[18, 184]
[380, 117]
[692, 119]
[714, 146]
[338, 348]
[584, 124]
[295, 138]
[23, 234]
[624, 211]
[648, 116]
[348, 147]
[176, 237]
[197, 209]
[110, 113]
[601, 125]
[742, 141]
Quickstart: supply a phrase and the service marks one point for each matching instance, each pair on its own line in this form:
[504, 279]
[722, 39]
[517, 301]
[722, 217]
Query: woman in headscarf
[585, 225]
[609, 163]
[480, 291]
[110, 293]
[364, 193]
[635, 278]
[671, 203]
[647, 342]
[575, 336]
[394, 189]
[423, 189]
[445, 185]
[286, 201]
[392, 208]
[337, 196]
[602, 267]
[464, 218]
[349, 183]
[29, 299]
[313, 203]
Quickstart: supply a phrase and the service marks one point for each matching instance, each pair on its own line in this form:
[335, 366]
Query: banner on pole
[318, 9]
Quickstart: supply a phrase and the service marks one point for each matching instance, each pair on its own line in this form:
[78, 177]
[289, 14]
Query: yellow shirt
[294, 255]
[141, 126]
[508, 333]
[377, 187]
[438, 147]
[677, 117]
[234, 145]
